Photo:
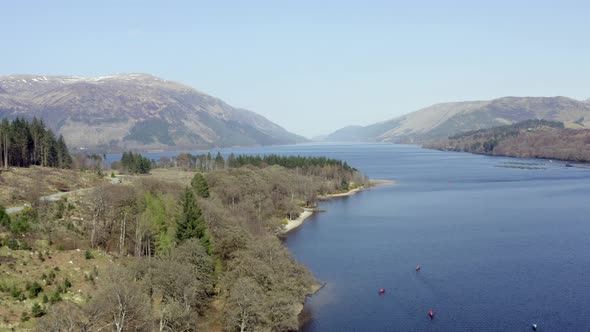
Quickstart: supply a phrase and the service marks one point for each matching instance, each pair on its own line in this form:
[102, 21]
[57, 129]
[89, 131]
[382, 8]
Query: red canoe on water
[382, 291]
[431, 314]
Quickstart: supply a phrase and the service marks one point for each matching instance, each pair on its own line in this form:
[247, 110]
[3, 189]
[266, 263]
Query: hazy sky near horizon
[313, 66]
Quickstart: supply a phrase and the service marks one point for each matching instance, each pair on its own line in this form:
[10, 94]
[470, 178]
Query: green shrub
[56, 297]
[34, 289]
[4, 218]
[67, 284]
[60, 209]
[88, 254]
[24, 245]
[37, 310]
[20, 224]
[17, 294]
[49, 279]
[12, 244]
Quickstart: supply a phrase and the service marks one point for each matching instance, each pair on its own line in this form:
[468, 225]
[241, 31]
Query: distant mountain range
[447, 119]
[135, 111]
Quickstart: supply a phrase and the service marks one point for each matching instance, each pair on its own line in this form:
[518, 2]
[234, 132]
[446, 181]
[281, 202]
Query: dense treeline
[187, 161]
[24, 143]
[527, 139]
[286, 161]
[135, 163]
[180, 247]
[206, 162]
[331, 169]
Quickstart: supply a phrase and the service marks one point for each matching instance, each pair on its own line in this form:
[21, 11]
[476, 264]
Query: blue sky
[313, 66]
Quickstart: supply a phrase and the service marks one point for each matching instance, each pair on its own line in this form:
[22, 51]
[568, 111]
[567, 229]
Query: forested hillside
[135, 111]
[160, 253]
[527, 139]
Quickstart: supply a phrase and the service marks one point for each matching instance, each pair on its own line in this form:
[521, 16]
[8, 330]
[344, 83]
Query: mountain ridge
[447, 119]
[135, 111]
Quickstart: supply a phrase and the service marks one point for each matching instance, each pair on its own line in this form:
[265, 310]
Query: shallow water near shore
[500, 248]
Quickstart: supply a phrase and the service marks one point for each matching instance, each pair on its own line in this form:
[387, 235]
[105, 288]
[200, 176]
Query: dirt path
[48, 198]
[58, 196]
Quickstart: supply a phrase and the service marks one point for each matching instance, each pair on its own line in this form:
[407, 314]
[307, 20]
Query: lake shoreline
[572, 162]
[307, 212]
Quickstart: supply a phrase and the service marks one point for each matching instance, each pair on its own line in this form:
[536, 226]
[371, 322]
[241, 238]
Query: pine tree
[200, 185]
[37, 133]
[144, 165]
[231, 161]
[209, 161]
[5, 142]
[63, 156]
[24, 144]
[21, 141]
[190, 223]
[135, 163]
[50, 157]
[219, 162]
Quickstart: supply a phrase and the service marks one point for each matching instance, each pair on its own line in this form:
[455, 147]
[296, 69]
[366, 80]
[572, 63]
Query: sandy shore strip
[297, 222]
[372, 183]
[307, 212]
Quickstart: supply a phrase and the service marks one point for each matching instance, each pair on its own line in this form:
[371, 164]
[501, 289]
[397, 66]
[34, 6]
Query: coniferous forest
[135, 163]
[25, 143]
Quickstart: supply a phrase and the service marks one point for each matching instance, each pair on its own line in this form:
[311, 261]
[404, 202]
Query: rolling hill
[135, 111]
[448, 119]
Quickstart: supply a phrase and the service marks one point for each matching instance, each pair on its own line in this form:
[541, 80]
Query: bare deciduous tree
[120, 304]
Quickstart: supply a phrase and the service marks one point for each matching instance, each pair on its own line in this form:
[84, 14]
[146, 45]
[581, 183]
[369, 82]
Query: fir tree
[219, 162]
[24, 143]
[200, 185]
[135, 163]
[190, 223]
[63, 157]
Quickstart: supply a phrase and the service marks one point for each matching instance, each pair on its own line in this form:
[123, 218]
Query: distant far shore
[307, 212]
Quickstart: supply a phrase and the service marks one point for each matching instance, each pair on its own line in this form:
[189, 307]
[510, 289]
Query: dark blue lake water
[500, 248]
